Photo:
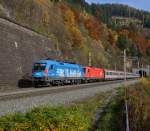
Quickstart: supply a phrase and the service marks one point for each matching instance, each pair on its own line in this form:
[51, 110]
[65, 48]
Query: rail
[50, 90]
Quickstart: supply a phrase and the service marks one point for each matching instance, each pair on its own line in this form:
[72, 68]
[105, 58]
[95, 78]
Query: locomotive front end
[39, 73]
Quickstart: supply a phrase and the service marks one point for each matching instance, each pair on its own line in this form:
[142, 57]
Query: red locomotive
[93, 73]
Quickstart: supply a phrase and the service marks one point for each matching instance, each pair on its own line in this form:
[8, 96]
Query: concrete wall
[19, 48]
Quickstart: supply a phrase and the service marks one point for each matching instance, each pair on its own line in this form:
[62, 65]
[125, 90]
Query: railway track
[51, 90]
[26, 100]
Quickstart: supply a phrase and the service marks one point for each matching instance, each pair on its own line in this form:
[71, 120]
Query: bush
[76, 117]
[139, 106]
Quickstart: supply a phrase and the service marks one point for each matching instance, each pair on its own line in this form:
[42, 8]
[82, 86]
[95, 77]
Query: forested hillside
[77, 28]
[122, 10]
[106, 11]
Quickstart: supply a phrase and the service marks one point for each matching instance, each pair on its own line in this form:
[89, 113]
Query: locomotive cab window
[39, 67]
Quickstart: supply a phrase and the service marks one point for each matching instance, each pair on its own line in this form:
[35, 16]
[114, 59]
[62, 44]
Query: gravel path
[25, 104]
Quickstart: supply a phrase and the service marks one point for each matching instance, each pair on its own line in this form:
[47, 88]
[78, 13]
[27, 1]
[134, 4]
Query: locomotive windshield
[39, 67]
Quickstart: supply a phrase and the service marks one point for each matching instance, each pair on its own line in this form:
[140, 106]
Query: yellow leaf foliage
[70, 23]
[113, 37]
[69, 18]
[45, 18]
[43, 3]
[77, 36]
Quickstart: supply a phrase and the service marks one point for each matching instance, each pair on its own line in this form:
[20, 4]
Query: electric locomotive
[46, 72]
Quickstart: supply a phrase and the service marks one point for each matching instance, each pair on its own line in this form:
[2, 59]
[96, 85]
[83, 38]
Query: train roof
[113, 70]
[90, 67]
[58, 62]
[109, 70]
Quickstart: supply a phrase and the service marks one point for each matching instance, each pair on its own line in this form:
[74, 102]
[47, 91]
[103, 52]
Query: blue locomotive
[51, 72]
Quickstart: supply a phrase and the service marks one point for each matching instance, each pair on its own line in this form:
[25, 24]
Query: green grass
[76, 117]
[112, 119]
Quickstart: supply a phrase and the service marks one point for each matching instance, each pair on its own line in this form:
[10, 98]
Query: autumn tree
[71, 25]
[112, 37]
[94, 27]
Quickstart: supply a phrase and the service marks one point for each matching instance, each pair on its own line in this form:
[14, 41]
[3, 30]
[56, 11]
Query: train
[54, 72]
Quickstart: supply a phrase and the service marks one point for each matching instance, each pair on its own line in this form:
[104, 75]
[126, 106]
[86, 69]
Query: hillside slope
[75, 30]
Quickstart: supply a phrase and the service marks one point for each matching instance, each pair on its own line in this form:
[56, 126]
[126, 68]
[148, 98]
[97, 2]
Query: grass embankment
[76, 117]
[113, 118]
[138, 98]
[139, 106]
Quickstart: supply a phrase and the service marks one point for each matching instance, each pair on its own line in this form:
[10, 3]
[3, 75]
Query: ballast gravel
[27, 103]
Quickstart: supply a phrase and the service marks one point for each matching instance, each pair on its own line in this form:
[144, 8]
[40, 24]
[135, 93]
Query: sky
[139, 4]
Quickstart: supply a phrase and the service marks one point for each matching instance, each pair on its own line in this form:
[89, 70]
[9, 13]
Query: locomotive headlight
[46, 71]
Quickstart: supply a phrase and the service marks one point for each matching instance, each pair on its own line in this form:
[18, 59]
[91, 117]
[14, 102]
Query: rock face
[19, 48]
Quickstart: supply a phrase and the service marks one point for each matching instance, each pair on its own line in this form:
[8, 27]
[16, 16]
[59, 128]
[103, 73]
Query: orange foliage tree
[93, 26]
[140, 41]
[137, 39]
[70, 21]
